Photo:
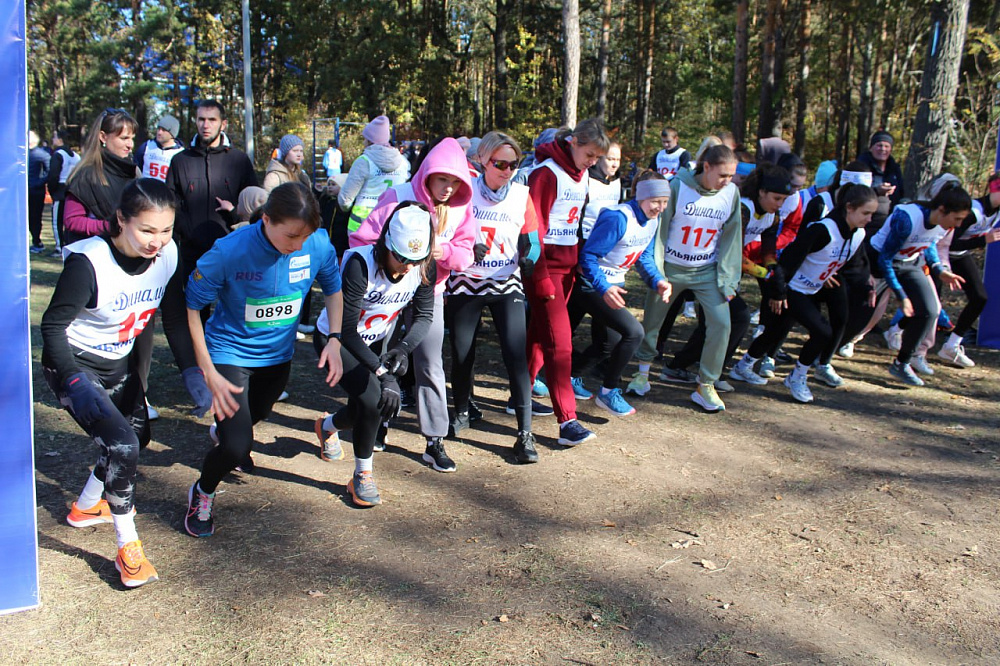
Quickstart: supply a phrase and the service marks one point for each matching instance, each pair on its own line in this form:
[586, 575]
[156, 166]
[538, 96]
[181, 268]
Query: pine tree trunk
[647, 76]
[865, 97]
[571, 60]
[739, 122]
[844, 106]
[802, 93]
[765, 124]
[937, 92]
[500, 65]
[602, 60]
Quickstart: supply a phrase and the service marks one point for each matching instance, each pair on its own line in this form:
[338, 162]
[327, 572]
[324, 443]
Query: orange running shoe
[329, 445]
[133, 565]
[95, 515]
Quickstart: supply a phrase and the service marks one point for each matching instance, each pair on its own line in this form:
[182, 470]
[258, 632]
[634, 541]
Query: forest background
[824, 74]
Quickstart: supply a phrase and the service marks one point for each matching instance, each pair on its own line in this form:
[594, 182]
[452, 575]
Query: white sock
[800, 370]
[92, 493]
[954, 341]
[125, 528]
[644, 369]
[328, 424]
[363, 464]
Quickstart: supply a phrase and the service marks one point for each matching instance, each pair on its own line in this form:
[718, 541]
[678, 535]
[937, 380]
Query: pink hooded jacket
[457, 240]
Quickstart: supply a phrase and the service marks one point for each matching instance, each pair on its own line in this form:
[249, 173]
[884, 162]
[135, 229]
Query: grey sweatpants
[703, 282]
[428, 372]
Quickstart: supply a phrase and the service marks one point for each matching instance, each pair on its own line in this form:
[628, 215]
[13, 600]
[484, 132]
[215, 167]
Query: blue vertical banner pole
[989, 321]
[18, 526]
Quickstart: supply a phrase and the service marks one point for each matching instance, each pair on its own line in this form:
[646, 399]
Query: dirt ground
[861, 529]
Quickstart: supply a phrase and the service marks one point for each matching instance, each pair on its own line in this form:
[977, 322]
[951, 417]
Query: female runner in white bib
[110, 287]
[809, 278]
[506, 249]
[379, 281]
[699, 245]
[623, 236]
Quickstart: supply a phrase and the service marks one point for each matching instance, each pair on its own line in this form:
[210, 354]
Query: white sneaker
[283, 397]
[846, 351]
[755, 318]
[766, 367]
[743, 372]
[894, 338]
[689, 310]
[706, 398]
[757, 332]
[639, 384]
[919, 363]
[827, 375]
[151, 413]
[799, 386]
[956, 354]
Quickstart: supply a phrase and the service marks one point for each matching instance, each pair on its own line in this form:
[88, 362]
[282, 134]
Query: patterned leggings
[120, 436]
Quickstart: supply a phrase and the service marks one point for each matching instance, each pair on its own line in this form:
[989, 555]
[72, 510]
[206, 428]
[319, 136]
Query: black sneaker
[475, 414]
[573, 433]
[783, 357]
[436, 457]
[459, 423]
[198, 521]
[407, 399]
[537, 408]
[524, 448]
[380, 436]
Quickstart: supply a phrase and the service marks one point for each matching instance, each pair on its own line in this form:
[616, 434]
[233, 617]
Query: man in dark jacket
[38, 173]
[64, 160]
[207, 179]
[887, 177]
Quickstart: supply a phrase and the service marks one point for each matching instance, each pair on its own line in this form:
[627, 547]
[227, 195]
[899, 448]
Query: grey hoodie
[729, 263]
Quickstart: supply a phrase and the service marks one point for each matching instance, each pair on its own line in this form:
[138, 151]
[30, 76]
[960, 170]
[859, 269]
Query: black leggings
[926, 307]
[624, 335]
[463, 314]
[599, 346]
[975, 291]
[824, 335]
[261, 389]
[361, 413]
[668, 322]
[121, 435]
[739, 315]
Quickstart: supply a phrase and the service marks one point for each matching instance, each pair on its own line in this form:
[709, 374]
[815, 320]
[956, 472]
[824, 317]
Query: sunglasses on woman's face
[504, 165]
[403, 260]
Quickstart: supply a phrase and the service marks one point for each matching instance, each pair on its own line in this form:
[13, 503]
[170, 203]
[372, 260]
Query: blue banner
[989, 321]
[18, 529]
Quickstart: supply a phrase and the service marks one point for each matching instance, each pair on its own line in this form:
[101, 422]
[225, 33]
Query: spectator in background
[207, 179]
[38, 173]
[672, 158]
[887, 177]
[333, 159]
[153, 157]
[379, 167]
[64, 160]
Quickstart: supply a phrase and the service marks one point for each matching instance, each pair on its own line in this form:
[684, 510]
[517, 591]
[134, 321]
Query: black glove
[527, 268]
[395, 361]
[388, 404]
[194, 382]
[479, 251]
[89, 402]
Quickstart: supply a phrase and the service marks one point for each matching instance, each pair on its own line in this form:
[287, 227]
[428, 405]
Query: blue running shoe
[579, 390]
[539, 390]
[614, 402]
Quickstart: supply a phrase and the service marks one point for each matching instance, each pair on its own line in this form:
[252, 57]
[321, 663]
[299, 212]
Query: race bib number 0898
[274, 311]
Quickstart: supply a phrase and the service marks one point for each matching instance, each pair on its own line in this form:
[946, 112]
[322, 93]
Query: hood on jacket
[597, 174]
[560, 153]
[386, 158]
[197, 146]
[278, 165]
[448, 158]
[688, 177]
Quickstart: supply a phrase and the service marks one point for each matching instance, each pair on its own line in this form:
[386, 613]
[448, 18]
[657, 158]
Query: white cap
[409, 233]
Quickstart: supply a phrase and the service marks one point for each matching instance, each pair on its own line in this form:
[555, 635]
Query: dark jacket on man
[197, 176]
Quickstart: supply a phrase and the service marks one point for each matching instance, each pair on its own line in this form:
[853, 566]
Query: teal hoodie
[729, 262]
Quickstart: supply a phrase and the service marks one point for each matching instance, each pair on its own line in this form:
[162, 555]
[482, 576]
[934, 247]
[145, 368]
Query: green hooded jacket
[730, 248]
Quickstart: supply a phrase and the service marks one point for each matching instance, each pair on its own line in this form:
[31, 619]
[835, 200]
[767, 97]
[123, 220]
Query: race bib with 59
[274, 311]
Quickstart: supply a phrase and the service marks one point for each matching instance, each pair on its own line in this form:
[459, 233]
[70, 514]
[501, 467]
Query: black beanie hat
[881, 135]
